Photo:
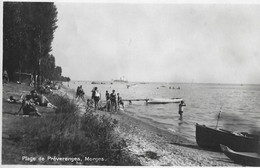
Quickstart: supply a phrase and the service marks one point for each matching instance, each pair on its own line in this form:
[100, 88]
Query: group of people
[80, 93]
[30, 101]
[113, 101]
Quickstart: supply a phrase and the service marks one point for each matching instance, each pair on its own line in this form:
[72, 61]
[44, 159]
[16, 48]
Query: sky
[159, 42]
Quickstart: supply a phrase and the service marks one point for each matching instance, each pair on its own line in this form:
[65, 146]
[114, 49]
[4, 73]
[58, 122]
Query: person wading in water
[181, 105]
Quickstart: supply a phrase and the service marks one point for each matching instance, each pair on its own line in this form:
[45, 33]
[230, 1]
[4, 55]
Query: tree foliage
[28, 32]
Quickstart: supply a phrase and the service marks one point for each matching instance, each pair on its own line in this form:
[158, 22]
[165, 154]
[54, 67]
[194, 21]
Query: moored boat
[244, 158]
[239, 141]
[163, 100]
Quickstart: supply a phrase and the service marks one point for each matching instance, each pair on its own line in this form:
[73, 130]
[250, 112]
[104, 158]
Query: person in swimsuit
[97, 97]
[181, 105]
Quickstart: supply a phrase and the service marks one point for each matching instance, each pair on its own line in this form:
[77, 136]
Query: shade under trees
[28, 32]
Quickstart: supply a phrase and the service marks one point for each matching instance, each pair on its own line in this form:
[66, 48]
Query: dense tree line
[28, 31]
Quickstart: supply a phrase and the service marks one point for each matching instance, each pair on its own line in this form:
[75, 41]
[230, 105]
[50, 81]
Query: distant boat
[121, 80]
[132, 85]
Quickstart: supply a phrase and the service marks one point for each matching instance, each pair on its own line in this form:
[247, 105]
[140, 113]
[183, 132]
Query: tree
[57, 73]
[48, 67]
[28, 31]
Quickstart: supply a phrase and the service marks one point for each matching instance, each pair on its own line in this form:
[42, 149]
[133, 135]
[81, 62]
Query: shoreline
[153, 146]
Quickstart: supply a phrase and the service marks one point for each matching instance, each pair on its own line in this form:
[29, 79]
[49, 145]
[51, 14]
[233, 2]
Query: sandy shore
[155, 147]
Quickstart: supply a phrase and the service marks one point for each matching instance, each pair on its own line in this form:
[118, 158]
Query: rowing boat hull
[212, 138]
[244, 158]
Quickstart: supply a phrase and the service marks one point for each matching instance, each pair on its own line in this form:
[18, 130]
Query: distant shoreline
[188, 83]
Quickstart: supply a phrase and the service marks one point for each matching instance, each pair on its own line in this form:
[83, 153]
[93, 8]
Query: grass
[89, 139]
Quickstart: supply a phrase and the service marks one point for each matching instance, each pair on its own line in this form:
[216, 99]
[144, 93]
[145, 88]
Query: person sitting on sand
[32, 95]
[43, 101]
[13, 99]
[5, 77]
[89, 105]
[28, 107]
[113, 101]
[181, 105]
[120, 101]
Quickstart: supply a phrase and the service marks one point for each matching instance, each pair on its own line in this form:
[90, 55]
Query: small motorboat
[244, 158]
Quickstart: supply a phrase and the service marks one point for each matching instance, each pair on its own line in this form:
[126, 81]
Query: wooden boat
[212, 138]
[244, 158]
[163, 100]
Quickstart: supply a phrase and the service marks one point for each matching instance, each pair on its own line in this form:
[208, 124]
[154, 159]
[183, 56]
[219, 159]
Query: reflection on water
[240, 105]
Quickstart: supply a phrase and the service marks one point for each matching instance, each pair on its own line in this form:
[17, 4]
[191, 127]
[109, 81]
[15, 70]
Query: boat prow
[244, 158]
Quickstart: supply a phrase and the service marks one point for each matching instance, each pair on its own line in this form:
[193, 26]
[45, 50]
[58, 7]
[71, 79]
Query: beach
[151, 145]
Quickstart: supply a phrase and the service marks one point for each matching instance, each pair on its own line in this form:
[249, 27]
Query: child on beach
[89, 106]
[181, 105]
[120, 101]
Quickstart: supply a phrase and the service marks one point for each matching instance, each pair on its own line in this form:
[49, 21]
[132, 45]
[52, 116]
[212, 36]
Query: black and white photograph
[131, 83]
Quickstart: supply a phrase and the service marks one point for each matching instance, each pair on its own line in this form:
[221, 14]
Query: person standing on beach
[108, 102]
[93, 93]
[113, 101]
[181, 105]
[77, 92]
[97, 97]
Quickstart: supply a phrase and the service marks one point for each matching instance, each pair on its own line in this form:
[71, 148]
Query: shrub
[67, 134]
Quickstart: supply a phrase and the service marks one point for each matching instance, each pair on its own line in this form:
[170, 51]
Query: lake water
[239, 105]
